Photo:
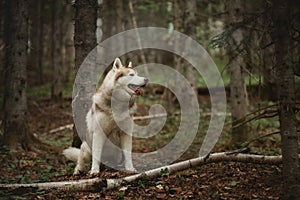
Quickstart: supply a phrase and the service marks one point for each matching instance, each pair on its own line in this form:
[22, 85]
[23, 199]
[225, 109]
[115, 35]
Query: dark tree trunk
[286, 97]
[269, 89]
[15, 101]
[1, 47]
[68, 51]
[84, 38]
[85, 29]
[41, 42]
[56, 50]
[36, 40]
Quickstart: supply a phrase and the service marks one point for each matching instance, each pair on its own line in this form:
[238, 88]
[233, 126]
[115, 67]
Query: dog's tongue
[139, 92]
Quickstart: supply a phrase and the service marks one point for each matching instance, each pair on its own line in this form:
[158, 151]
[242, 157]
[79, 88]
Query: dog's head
[127, 78]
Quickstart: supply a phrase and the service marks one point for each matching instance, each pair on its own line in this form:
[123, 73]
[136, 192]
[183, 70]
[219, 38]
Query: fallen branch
[93, 184]
[97, 184]
[161, 115]
[61, 128]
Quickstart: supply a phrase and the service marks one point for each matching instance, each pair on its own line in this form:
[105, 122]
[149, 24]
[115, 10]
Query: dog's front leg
[126, 145]
[84, 156]
[98, 143]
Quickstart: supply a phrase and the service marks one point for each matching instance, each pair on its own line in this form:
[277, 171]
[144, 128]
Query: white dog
[109, 119]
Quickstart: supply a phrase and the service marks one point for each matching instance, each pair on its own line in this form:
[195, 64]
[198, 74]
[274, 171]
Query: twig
[61, 128]
[39, 107]
[265, 114]
[260, 137]
[68, 126]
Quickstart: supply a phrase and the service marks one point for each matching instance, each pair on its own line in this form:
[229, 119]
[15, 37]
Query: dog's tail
[71, 153]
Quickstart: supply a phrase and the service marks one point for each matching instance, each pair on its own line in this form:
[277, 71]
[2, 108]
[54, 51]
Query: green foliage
[37, 92]
[121, 195]
[64, 140]
[143, 180]
[146, 5]
[164, 172]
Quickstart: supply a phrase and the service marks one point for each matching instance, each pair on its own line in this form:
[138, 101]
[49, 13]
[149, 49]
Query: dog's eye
[131, 74]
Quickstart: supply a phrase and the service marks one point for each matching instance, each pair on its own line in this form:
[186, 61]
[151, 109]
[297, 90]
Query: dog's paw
[78, 173]
[131, 169]
[94, 171]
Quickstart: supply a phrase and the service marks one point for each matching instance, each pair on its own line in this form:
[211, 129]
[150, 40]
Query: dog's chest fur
[102, 113]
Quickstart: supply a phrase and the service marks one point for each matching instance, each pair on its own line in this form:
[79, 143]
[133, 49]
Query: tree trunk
[56, 50]
[2, 45]
[268, 92]
[238, 92]
[84, 38]
[168, 97]
[190, 24]
[40, 50]
[286, 96]
[85, 29]
[68, 54]
[15, 84]
[36, 40]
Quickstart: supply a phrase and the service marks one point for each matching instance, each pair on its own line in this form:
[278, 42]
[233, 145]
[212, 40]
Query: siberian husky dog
[108, 118]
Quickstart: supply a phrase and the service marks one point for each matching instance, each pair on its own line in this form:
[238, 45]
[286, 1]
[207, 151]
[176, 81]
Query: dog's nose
[146, 80]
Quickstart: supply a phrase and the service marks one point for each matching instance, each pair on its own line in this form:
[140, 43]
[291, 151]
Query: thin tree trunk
[41, 42]
[268, 70]
[190, 24]
[15, 100]
[68, 43]
[168, 97]
[286, 94]
[34, 32]
[84, 39]
[57, 54]
[2, 45]
[135, 26]
[238, 92]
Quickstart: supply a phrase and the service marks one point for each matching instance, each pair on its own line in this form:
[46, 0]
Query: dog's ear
[130, 65]
[117, 64]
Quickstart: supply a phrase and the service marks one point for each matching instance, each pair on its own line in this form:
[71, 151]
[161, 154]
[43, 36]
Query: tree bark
[68, 54]
[238, 92]
[56, 50]
[269, 89]
[15, 84]
[286, 97]
[84, 39]
[190, 24]
[85, 29]
[41, 42]
[36, 36]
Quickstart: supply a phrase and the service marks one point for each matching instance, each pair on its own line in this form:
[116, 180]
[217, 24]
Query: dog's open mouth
[136, 89]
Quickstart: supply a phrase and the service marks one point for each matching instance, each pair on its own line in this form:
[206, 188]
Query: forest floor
[211, 181]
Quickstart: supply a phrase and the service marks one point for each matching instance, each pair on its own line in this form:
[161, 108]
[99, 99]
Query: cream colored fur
[101, 119]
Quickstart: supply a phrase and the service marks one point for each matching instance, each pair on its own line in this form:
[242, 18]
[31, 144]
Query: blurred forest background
[255, 45]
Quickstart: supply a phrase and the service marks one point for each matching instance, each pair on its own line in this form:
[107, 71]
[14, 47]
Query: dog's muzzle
[137, 88]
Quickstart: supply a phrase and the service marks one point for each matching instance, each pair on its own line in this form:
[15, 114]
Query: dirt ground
[212, 181]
